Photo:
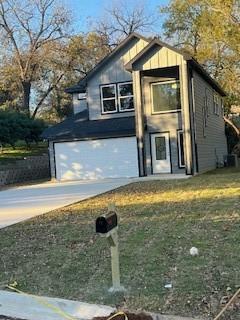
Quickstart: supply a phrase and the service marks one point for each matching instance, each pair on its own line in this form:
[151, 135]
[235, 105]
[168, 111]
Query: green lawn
[10, 155]
[59, 254]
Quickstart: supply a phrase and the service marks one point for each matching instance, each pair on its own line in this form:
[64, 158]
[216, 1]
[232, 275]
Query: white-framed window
[181, 157]
[216, 108]
[165, 96]
[207, 101]
[222, 107]
[117, 97]
[109, 98]
[125, 96]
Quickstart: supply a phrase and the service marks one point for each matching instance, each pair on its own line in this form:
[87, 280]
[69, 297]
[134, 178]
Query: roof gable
[153, 47]
[82, 83]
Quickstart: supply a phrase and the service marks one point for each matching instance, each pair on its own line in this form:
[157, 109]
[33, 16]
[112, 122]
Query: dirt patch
[130, 316]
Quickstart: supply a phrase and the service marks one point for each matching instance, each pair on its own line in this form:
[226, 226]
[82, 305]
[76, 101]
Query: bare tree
[122, 19]
[28, 26]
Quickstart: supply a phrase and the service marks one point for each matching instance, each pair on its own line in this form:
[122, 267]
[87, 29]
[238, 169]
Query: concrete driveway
[18, 204]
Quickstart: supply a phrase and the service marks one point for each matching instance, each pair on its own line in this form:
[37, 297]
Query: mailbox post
[107, 225]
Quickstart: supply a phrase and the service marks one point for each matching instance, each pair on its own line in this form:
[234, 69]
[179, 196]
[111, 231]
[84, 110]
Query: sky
[84, 11]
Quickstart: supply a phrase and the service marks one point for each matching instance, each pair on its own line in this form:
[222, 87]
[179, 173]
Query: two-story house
[147, 108]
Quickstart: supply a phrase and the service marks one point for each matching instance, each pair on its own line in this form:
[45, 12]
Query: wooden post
[113, 241]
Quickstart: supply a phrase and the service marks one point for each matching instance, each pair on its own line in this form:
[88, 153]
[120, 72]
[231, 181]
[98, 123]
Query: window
[117, 97]
[207, 101]
[216, 103]
[166, 96]
[125, 96]
[181, 158]
[109, 98]
[222, 106]
[160, 145]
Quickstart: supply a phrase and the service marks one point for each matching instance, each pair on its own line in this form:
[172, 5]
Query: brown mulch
[131, 316]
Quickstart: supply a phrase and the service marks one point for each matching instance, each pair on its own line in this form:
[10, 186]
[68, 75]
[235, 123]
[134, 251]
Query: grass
[59, 254]
[10, 155]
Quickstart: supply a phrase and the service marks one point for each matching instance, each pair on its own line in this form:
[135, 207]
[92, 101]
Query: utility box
[107, 222]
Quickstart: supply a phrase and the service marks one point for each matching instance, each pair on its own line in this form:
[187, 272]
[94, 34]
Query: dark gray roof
[77, 88]
[81, 86]
[79, 127]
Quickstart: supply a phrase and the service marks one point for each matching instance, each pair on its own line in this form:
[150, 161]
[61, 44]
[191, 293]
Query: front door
[160, 153]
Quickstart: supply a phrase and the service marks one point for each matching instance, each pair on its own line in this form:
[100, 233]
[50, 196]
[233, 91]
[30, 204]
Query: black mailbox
[106, 223]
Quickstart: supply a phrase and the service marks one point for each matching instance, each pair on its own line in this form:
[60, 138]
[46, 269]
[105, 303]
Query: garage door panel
[96, 159]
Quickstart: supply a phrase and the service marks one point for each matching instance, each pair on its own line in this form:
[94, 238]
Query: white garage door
[96, 159]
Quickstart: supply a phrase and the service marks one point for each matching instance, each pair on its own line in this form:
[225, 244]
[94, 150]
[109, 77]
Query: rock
[194, 251]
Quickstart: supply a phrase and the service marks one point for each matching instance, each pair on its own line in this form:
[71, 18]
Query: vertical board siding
[159, 58]
[112, 72]
[213, 146]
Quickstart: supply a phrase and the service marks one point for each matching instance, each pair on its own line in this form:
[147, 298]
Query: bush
[16, 126]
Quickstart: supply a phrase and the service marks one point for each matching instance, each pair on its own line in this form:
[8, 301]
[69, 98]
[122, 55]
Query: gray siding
[157, 123]
[112, 72]
[78, 105]
[213, 146]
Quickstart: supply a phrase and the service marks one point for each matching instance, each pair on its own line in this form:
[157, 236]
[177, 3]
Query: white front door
[160, 153]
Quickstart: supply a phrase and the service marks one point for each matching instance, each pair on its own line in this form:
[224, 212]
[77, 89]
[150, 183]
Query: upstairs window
[216, 105]
[207, 101]
[125, 96]
[166, 97]
[117, 97]
[109, 98]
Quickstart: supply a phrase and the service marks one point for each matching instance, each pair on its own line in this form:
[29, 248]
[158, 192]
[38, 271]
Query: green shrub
[16, 126]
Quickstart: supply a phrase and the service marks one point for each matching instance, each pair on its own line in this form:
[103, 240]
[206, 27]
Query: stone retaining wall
[31, 168]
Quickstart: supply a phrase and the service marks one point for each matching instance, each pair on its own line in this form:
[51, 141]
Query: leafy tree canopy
[210, 31]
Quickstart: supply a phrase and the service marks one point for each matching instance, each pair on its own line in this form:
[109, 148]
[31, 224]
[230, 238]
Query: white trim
[113, 98]
[163, 82]
[161, 166]
[128, 96]
[179, 149]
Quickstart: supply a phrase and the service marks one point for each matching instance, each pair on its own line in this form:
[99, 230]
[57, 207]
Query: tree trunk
[45, 95]
[26, 85]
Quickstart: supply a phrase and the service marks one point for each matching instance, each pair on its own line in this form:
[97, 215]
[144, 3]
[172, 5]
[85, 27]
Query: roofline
[155, 41]
[207, 77]
[186, 56]
[83, 81]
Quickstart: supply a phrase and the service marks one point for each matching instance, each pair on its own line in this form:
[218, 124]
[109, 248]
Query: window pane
[125, 89]
[166, 97]
[160, 144]
[108, 92]
[109, 105]
[126, 103]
